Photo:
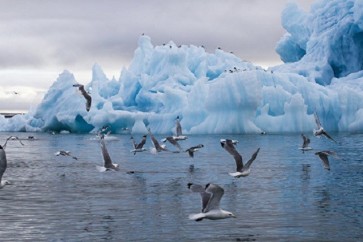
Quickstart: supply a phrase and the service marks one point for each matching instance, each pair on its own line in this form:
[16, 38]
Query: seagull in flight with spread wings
[241, 170]
[320, 130]
[211, 196]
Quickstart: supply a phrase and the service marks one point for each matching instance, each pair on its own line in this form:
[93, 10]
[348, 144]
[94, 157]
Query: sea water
[288, 195]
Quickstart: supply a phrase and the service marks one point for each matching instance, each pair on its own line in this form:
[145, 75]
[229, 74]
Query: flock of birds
[211, 194]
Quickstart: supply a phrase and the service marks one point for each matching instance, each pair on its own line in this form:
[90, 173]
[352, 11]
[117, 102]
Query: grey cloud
[79, 33]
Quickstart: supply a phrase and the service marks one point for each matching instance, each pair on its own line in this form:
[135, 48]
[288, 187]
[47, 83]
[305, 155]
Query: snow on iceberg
[218, 92]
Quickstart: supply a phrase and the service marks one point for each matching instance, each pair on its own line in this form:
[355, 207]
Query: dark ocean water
[288, 196]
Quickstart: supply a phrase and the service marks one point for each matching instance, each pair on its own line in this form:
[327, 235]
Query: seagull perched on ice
[320, 130]
[85, 95]
[3, 161]
[242, 170]
[138, 147]
[108, 165]
[158, 147]
[65, 153]
[306, 141]
[323, 155]
[193, 149]
[211, 197]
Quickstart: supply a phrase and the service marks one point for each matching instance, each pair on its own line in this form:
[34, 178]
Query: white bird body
[212, 215]
[238, 174]
[180, 137]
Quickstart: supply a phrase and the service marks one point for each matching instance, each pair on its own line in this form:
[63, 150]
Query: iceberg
[218, 92]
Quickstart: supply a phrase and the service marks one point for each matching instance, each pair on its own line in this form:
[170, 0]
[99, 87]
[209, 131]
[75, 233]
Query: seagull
[211, 197]
[65, 153]
[305, 146]
[320, 130]
[85, 95]
[108, 165]
[242, 170]
[138, 147]
[179, 133]
[323, 155]
[3, 161]
[3, 165]
[193, 149]
[158, 147]
[173, 141]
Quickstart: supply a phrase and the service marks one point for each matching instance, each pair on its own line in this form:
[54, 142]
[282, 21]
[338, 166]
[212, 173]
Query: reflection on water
[288, 195]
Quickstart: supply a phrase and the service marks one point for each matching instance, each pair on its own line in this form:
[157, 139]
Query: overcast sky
[41, 38]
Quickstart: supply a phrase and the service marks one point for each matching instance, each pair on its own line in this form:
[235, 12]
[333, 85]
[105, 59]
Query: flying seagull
[158, 147]
[323, 155]
[211, 197]
[138, 147]
[3, 160]
[179, 132]
[320, 130]
[305, 146]
[193, 149]
[108, 165]
[242, 170]
[85, 95]
[65, 153]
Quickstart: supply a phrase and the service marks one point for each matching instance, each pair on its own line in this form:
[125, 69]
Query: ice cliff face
[218, 92]
[325, 43]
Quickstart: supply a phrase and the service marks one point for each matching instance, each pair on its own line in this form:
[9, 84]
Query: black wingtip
[206, 186]
[189, 185]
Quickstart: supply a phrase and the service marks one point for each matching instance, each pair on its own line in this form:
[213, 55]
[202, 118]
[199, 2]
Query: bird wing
[86, 96]
[3, 162]
[173, 142]
[229, 147]
[324, 158]
[253, 157]
[328, 136]
[141, 144]
[106, 156]
[190, 152]
[205, 195]
[217, 193]
[178, 128]
[317, 121]
[155, 142]
[12, 138]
